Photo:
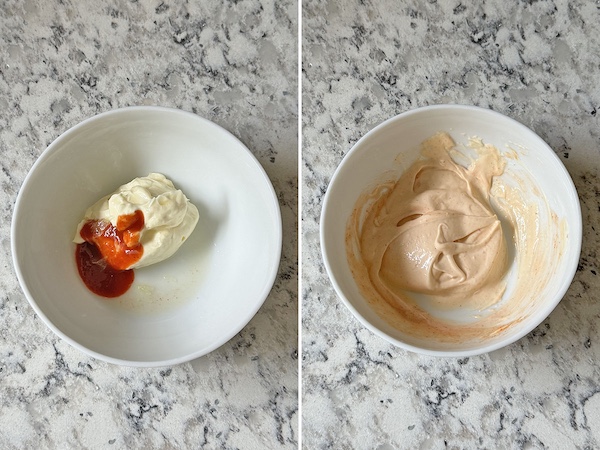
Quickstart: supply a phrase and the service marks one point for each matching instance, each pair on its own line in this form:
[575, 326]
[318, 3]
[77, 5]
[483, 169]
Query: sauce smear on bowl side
[107, 253]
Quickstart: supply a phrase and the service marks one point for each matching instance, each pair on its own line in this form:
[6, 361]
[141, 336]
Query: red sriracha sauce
[103, 260]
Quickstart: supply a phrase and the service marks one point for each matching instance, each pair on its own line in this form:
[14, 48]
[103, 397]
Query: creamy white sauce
[169, 217]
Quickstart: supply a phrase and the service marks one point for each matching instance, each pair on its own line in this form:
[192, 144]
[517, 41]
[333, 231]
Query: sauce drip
[98, 276]
[104, 259]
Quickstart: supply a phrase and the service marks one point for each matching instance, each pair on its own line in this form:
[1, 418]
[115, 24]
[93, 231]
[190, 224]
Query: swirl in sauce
[432, 238]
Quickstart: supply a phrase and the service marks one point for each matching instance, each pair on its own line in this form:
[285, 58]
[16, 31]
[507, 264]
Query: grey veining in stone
[537, 62]
[233, 62]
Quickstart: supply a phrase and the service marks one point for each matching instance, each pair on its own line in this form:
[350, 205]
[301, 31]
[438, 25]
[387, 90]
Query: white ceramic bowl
[399, 138]
[183, 307]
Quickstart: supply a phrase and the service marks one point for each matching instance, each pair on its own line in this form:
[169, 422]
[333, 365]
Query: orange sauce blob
[103, 260]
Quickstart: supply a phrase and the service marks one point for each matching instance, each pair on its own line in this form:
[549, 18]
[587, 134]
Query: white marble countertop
[234, 63]
[537, 62]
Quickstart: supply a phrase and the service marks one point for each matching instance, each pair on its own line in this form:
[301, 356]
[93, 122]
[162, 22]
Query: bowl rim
[575, 235]
[52, 147]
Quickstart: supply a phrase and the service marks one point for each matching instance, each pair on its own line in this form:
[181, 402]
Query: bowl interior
[180, 308]
[396, 144]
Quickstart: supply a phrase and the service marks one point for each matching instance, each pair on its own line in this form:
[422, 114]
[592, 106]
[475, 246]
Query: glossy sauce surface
[103, 260]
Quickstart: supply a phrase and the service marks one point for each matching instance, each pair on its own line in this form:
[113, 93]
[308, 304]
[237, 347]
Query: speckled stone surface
[537, 62]
[234, 63]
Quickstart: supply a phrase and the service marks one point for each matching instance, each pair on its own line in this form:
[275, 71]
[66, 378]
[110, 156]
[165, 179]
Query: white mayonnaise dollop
[169, 217]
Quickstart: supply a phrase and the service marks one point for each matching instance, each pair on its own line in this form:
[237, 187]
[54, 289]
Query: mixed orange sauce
[108, 252]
